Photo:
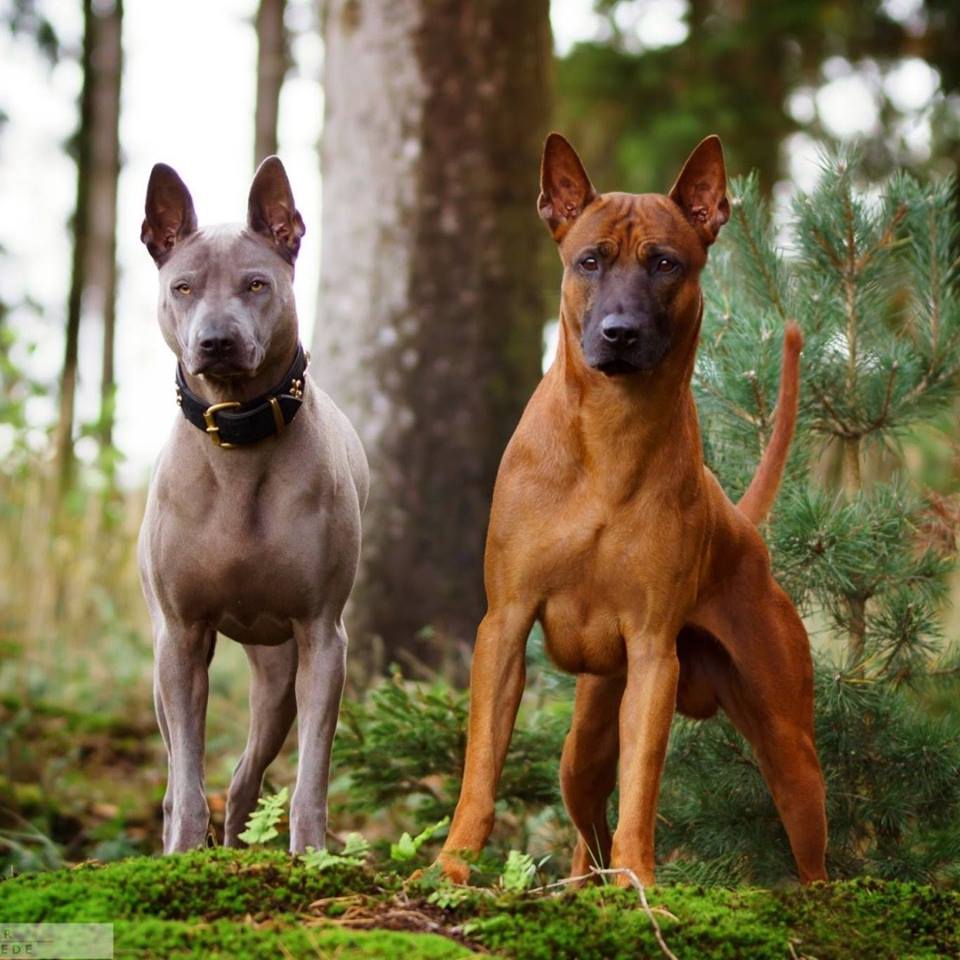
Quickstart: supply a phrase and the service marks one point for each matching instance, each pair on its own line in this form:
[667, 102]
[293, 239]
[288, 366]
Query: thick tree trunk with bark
[272, 63]
[429, 332]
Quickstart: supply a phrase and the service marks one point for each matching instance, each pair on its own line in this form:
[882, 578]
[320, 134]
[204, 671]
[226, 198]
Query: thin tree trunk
[93, 279]
[83, 149]
[429, 332]
[104, 174]
[272, 63]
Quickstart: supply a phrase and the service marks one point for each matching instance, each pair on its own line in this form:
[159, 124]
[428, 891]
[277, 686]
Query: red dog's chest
[608, 576]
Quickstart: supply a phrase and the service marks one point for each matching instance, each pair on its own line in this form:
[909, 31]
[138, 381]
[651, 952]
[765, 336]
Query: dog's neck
[243, 468]
[638, 415]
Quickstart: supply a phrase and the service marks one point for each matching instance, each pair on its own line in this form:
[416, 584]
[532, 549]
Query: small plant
[519, 871]
[406, 848]
[449, 896]
[354, 854]
[262, 825]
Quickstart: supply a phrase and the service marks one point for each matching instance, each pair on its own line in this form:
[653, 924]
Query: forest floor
[259, 904]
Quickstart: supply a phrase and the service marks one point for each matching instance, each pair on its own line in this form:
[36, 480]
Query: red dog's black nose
[619, 331]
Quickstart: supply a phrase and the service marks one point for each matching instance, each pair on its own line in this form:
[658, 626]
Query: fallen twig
[638, 886]
[562, 883]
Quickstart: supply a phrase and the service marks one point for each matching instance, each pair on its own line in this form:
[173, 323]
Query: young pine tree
[872, 279]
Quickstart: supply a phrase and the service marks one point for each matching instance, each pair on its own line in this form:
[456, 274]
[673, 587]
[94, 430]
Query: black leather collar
[235, 424]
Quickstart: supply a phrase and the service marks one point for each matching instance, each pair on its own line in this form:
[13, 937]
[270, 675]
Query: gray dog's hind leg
[165, 734]
[182, 655]
[322, 651]
[273, 705]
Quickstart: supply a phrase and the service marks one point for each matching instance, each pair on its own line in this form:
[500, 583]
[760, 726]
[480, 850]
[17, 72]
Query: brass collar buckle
[210, 420]
[266, 415]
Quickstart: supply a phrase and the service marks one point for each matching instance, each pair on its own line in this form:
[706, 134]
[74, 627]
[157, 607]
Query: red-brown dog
[607, 527]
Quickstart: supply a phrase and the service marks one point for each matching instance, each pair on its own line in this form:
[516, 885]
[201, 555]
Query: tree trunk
[82, 145]
[272, 63]
[105, 171]
[429, 332]
[93, 279]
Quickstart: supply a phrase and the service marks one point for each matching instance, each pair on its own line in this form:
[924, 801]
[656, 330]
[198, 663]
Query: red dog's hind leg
[765, 686]
[588, 767]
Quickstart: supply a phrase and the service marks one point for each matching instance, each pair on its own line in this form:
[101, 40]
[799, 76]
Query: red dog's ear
[701, 190]
[169, 214]
[565, 188]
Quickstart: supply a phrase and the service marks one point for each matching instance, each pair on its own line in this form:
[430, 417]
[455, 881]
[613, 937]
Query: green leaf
[406, 848]
[320, 859]
[354, 853]
[262, 825]
[518, 872]
[355, 845]
[449, 895]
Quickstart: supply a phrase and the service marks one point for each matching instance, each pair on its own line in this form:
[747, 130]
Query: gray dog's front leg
[273, 705]
[182, 654]
[322, 654]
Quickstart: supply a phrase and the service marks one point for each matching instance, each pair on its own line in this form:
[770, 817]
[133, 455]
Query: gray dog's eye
[255, 286]
[182, 287]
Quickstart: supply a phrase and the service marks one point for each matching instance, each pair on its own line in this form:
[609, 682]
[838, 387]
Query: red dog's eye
[664, 265]
[590, 264]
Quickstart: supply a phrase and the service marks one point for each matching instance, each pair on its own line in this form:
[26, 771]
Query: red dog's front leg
[646, 712]
[496, 684]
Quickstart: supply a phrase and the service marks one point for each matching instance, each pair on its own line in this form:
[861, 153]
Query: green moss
[163, 939]
[254, 904]
[202, 884]
[862, 918]
[872, 918]
[607, 923]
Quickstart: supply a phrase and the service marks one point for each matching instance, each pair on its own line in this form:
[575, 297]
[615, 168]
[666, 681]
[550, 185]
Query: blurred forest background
[437, 291]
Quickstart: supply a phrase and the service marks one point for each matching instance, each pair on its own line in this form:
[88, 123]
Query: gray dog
[252, 525]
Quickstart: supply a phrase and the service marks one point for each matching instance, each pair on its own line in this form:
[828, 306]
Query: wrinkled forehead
[225, 246]
[630, 219]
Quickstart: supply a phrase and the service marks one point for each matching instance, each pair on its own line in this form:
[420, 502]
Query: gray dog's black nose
[216, 344]
[618, 330]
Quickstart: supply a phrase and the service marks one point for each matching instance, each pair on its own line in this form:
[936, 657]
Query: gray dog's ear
[169, 213]
[565, 188]
[701, 190]
[271, 211]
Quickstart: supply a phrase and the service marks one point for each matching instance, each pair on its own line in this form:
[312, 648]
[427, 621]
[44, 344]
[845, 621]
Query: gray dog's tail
[761, 493]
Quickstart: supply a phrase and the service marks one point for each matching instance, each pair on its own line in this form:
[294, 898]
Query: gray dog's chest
[251, 547]
[252, 553]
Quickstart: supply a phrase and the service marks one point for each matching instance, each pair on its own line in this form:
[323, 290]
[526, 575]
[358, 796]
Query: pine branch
[740, 412]
[756, 254]
[762, 421]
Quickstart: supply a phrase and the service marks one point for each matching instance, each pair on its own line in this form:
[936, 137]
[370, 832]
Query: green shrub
[403, 745]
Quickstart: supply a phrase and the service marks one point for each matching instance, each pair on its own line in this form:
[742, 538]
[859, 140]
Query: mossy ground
[265, 904]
